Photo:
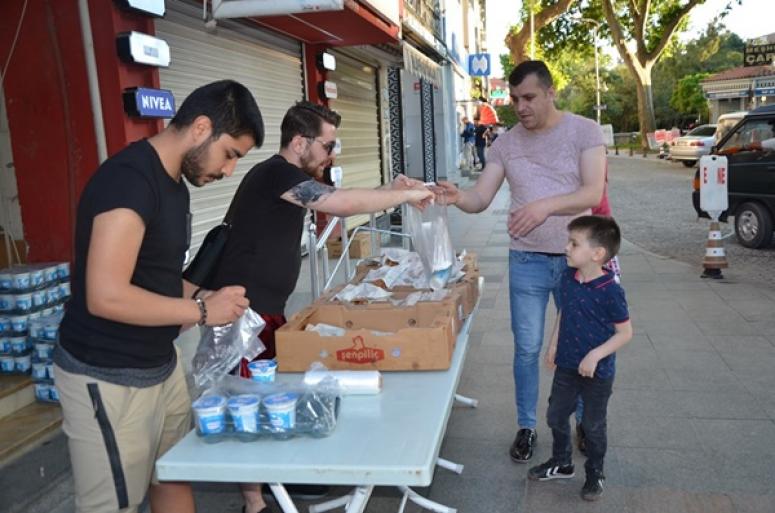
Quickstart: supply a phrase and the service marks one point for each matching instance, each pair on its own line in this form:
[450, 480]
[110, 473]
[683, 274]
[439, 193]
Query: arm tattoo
[310, 191]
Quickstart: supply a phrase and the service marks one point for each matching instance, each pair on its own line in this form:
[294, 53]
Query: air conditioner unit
[248, 8]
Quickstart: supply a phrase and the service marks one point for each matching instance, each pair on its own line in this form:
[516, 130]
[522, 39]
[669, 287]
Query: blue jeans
[567, 386]
[532, 277]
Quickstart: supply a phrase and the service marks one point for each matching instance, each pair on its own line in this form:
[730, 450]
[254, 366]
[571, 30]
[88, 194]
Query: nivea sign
[149, 103]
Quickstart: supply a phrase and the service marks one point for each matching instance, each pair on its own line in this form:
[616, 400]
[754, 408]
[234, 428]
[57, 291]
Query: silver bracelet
[202, 310]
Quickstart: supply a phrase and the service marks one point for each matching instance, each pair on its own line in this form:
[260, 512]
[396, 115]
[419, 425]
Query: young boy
[592, 324]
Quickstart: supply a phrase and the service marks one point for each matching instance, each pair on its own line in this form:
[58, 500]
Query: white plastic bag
[222, 347]
[430, 236]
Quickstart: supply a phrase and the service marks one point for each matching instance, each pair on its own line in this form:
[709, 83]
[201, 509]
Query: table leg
[422, 502]
[282, 497]
[361, 496]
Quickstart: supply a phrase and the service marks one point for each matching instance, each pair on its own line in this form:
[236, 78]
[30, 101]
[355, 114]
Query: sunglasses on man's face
[328, 146]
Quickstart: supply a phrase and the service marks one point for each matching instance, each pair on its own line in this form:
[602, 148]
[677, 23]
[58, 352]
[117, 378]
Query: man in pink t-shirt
[554, 163]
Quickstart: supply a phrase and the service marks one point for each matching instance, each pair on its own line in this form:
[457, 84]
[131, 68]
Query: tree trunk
[646, 117]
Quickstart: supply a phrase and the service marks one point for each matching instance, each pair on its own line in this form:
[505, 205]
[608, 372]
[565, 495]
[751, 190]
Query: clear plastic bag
[430, 235]
[249, 410]
[222, 347]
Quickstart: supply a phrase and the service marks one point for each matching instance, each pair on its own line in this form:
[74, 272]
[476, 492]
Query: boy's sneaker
[581, 439]
[522, 449]
[593, 486]
[551, 470]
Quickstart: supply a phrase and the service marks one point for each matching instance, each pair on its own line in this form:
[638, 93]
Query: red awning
[357, 24]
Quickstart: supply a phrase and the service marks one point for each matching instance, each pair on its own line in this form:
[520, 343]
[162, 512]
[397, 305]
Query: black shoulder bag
[202, 268]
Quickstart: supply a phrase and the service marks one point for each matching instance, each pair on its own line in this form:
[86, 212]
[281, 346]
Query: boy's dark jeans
[595, 392]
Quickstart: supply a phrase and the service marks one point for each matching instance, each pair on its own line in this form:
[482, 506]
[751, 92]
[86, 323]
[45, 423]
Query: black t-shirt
[135, 179]
[263, 253]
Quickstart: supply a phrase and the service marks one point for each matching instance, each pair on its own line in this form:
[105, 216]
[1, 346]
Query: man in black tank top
[122, 389]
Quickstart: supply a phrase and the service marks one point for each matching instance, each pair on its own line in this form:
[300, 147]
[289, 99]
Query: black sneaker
[581, 439]
[551, 470]
[593, 486]
[522, 449]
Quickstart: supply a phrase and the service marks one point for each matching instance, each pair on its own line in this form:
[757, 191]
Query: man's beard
[192, 165]
[308, 168]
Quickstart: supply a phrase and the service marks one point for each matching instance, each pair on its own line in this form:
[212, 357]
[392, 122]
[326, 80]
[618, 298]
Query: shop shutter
[359, 133]
[266, 64]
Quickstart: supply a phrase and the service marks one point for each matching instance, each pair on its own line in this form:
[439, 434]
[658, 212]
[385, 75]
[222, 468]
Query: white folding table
[390, 439]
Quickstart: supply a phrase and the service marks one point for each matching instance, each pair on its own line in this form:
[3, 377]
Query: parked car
[690, 147]
[750, 151]
[727, 122]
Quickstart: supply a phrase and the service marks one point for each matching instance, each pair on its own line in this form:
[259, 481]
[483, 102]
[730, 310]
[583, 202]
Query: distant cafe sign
[758, 55]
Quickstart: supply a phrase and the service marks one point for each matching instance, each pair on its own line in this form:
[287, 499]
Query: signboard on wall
[759, 55]
[479, 65]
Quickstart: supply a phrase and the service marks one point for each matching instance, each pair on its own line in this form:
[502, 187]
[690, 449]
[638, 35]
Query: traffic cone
[715, 257]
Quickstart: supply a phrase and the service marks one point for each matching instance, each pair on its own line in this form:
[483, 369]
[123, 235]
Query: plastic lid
[262, 365]
[281, 399]
[209, 401]
[242, 401]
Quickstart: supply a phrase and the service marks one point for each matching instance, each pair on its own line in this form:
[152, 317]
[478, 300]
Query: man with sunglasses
[263, 252]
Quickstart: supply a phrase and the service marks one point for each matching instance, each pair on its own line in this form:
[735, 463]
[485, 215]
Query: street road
[651, 200]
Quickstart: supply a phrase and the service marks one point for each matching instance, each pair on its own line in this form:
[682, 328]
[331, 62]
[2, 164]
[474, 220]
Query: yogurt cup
[281, 409]
[244, 412]
[50, 330]
[19, 323]
[50, 274]
[6, 281]
[5, 345]
[210, 412]
[5, 324]
[63, 271]
[20, 280]
[262, 371]
[37, 278]
[42, 391]
[53, 393]
[59, 308]
[64, 290]
[18, 344]
[22, 363]
[39, 298]
[35, 328]
[39, 371]
[7, 302]
[43, 350]
[50, 370]
[22, 302]
[52, 295]
[6, 363]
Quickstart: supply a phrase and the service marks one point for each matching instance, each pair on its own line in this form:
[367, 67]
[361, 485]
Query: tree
[650, 25]
[544, 13]
[688, 97]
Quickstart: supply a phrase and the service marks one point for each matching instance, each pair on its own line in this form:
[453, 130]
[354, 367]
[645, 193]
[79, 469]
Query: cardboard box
[454, 301]
[423, 338]
[360, 247]
[467, 288]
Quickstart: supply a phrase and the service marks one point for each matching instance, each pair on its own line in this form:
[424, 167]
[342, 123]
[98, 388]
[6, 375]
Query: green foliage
[506, 115]
[688, 97]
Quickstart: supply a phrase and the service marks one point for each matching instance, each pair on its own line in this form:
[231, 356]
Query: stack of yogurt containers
[32, 299]
[275, 411]
[43, 335]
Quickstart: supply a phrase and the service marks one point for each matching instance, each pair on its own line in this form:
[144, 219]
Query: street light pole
[597, 65]
[597, 76]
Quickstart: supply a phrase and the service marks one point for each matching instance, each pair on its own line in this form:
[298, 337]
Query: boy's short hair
[601, 232]
[231, 107]
[306, 119]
